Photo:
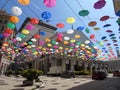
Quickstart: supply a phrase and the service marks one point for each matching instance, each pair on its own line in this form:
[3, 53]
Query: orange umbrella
[24, 2]
[92, 23]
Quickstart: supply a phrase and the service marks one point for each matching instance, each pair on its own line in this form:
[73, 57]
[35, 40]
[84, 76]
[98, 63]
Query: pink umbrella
[50, 3]
[99, 4]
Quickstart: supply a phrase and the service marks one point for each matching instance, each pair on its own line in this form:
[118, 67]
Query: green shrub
[83, 72]
[9, 72]
[17, 72]
[31, 74]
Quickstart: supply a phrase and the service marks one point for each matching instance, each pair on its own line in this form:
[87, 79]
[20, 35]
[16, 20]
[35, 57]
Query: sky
[70, 8]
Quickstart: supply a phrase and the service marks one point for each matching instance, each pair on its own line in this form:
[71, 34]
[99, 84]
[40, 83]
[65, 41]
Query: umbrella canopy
[104, 18]
[50, 3]
[83, 13]
[24, 2]
[92, 23]
[99, 4]
[107, 25]
[46, 15]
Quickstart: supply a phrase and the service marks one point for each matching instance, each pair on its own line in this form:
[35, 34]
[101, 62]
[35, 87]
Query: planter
[28, 82]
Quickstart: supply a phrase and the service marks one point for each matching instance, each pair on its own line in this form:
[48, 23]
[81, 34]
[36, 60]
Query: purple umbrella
[109, 31]
[50, 3]
[99, 4]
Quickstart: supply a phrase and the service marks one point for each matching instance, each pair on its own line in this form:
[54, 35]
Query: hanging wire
[33, 12]
[87, 16]
[4, 4]
[36, 6]
[82, 7]
[74, 12]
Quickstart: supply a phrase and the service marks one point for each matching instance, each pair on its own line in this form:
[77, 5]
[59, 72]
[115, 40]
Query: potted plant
[9, 72]
[30, 75]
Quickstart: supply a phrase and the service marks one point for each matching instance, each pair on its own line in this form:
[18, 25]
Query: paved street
[56, 83]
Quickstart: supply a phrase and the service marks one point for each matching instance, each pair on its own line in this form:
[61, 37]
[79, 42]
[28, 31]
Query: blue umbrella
[42, 33]
[104, 37]
[46, 15]
[80, 28]
[107, 25]
[1, 36]
[111, 35]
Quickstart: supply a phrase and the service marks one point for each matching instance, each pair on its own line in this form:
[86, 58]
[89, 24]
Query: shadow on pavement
[107, 84]
[18, 89]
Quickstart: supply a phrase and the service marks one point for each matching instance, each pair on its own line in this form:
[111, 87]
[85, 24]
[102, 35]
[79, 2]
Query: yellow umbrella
[72, 41]
[77, 36]
[70, 20]
[49, 45]
[25, 32]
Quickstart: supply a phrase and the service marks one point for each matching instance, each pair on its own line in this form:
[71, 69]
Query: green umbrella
[78, 43]
[10, 25]
[22, 35]
[83, 13]
[30, 43]
[87, 30]
[53, 42]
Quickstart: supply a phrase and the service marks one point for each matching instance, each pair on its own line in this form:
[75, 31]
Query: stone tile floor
[52, 83]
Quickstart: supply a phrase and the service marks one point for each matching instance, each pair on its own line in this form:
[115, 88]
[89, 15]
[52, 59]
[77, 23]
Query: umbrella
[66, 38]
[70, 31]
[46, 15]
[14, 19]
[109, 31]
[16, 10]
[42, 33]
[80, 28]
[115, 44]
[104, 18]
[108, 44]
[114, 41]
[87, 30]
[70, 20]
[83, 13]
[105, 40]
[24, 2]
[50, 3]
[118, 21]
[10, 25]
[92, 23]
[92, 36]
[96, 28]
[113, 38]
[99, 4]
[107, 25]
[1, 36]
[60, 25]
[111, 35]
[77, 36]
[104, 37]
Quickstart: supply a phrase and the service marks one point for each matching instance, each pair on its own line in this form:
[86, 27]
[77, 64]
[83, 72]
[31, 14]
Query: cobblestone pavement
[57, 83]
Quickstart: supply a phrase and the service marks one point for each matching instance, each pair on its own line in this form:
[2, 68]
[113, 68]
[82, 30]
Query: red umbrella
[92, 36]
[60, 25]
[99, 4]
[50, 3]
[104, 18]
